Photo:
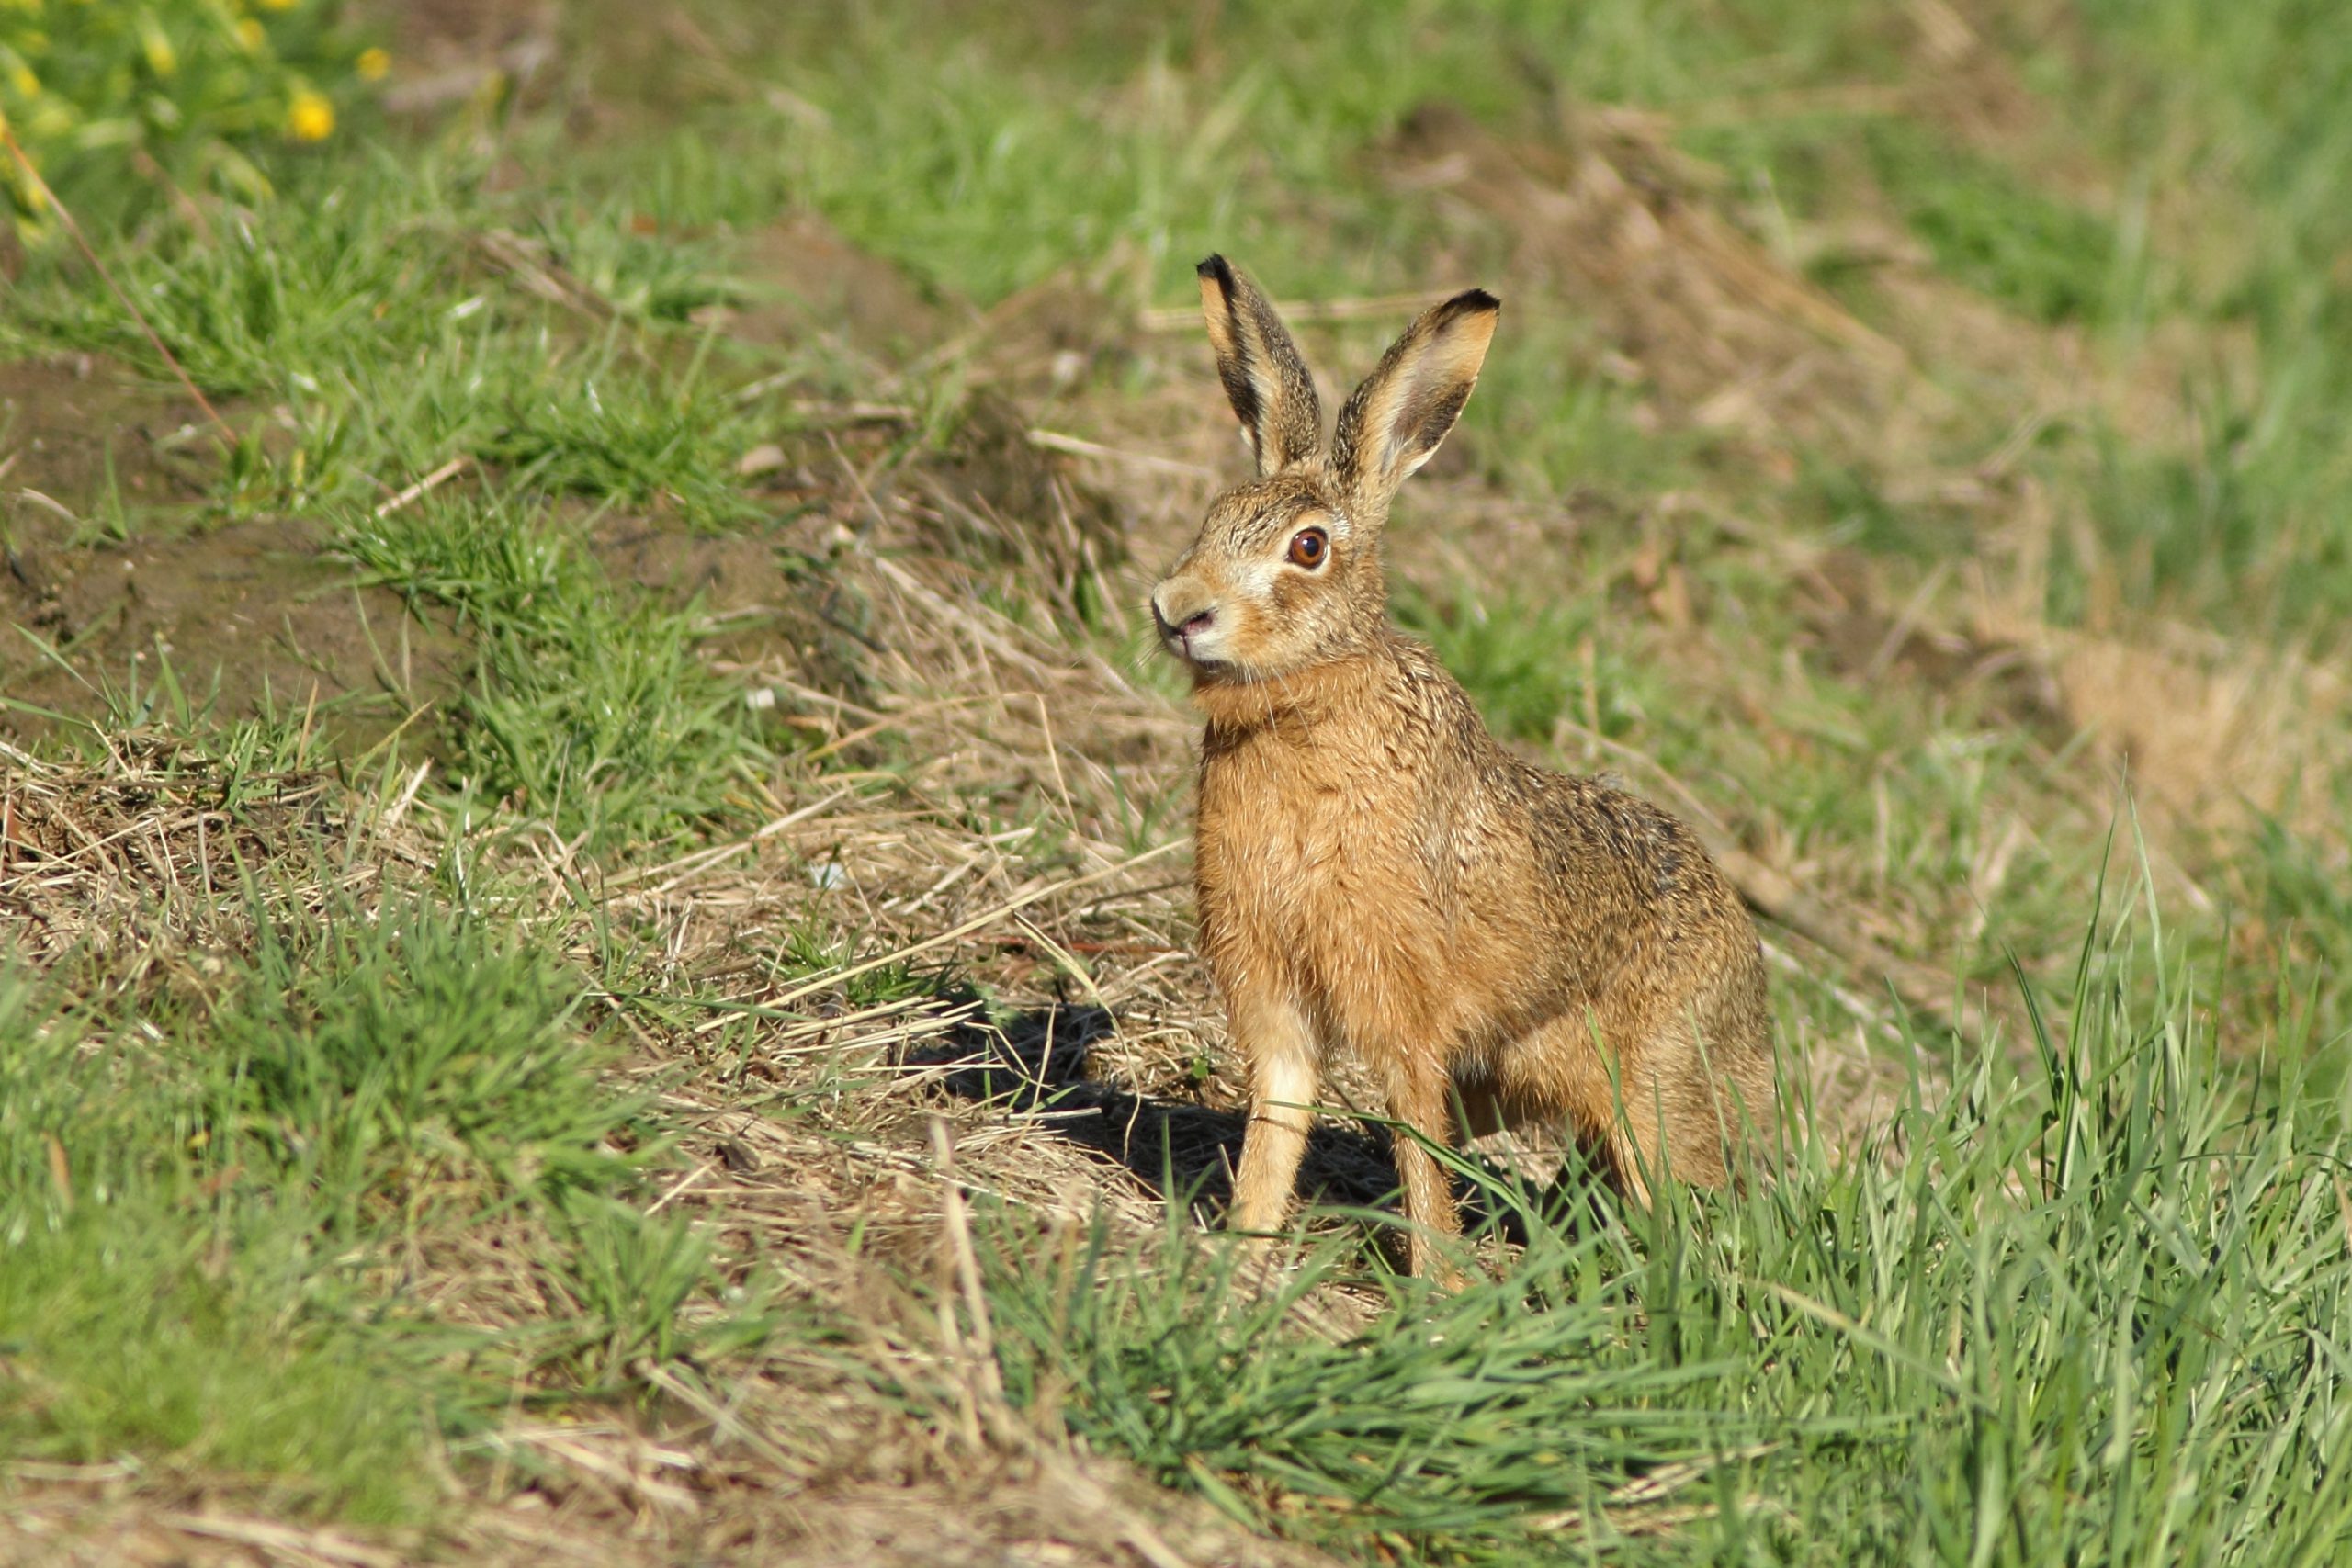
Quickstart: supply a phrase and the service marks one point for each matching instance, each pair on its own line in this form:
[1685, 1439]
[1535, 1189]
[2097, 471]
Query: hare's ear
[1260, 365]
[1395, 421]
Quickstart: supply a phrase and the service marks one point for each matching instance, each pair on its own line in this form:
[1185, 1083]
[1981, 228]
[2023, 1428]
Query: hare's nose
[1189, 625]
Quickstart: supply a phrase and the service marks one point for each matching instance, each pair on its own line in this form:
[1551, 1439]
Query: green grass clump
[405, 1055]
[630, 1277]
[624, 439]
[590, 709]
[402, 316]
[198, 1202]
[199, 1338]
[1985, 227]
[1449, 1422]
[350, 268]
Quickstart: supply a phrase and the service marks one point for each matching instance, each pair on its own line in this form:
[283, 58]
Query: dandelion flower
[309, 118]
[372, 64]
[249, 35]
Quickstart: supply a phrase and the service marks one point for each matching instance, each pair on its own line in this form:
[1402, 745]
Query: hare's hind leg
[1690, 1099]
[1286, 1072]
[1563, 1071]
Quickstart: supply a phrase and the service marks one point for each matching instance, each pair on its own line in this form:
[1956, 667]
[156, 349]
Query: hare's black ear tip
[1471, 307]
[1218, 269]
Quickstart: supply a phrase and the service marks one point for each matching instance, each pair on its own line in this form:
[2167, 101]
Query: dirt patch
[2209, 731]
[992, 1515]
[109, 576]
[1721, 332]
[1866, 635]
[996, 499]
[459, 25]
[1726, 337]
[803, 279]
[760, 595]
[1068, 1513]
[988, 495]
[80, 431]
[446, 52]
[246, 618]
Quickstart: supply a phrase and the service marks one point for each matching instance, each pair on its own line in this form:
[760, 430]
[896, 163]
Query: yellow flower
[309, 118]
[162, 57]
[28, 86]
[249, 35]
[372, 64]
[277, 4]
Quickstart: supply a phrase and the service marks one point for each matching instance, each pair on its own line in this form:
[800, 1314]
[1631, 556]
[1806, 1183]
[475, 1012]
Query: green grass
[209, 1345]
[1988, 228]
[203, 1202]
[398, 1055]
[590, 707]
[1527, 664]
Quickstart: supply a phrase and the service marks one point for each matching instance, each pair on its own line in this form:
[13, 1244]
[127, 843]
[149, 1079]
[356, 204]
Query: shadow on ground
[1034, 1065]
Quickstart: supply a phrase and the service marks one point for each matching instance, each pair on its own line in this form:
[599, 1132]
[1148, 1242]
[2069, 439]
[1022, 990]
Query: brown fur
[1377, 875]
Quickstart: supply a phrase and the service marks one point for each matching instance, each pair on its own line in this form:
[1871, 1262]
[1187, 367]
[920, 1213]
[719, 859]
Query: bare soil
[113, 575]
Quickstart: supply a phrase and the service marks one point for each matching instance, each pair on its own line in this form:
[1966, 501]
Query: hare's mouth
[1202, 660]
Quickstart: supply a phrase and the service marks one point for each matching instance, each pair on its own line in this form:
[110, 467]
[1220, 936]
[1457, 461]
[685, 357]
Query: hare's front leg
[1284, 1074]
[1419, 1097]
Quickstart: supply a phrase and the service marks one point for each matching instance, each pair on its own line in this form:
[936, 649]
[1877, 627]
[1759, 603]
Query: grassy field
[595, 952]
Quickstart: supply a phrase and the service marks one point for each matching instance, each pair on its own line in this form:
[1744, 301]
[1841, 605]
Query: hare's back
[1621, 860]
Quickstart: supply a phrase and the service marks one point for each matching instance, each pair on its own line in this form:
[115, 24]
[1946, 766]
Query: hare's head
[1287, 572]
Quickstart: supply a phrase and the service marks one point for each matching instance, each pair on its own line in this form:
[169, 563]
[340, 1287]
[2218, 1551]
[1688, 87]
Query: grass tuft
[590, 711]
[408, 1055]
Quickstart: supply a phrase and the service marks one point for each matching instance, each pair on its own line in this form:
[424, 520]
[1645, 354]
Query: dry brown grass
[139, 869]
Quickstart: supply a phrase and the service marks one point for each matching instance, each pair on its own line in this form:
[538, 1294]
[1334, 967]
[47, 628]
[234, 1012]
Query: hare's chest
[1318, 856]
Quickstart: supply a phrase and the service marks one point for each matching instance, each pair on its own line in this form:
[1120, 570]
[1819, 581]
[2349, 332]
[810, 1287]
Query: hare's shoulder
[1581, 824]
[1591, 830]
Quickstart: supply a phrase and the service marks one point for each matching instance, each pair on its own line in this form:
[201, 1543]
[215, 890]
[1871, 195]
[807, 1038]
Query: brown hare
[1377, 874]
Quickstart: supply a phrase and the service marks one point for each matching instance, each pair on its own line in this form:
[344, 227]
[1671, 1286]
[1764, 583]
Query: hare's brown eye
[1308, 546]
